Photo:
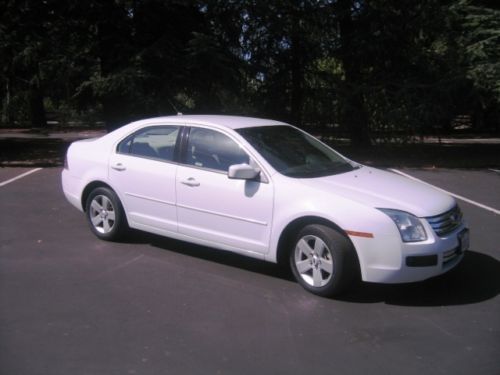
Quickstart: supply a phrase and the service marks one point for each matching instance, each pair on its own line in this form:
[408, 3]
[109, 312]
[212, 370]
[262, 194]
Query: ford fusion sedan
[268, 190]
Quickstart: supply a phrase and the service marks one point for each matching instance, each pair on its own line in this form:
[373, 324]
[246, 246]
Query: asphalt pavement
[72, 304]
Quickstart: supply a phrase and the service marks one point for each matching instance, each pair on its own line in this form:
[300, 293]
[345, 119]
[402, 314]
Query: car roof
[230, 122]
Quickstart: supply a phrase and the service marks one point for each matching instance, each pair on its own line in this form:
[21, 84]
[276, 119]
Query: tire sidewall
[119, 225]
[341, 251]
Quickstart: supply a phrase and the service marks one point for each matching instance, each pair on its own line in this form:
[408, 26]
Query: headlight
[410, 226]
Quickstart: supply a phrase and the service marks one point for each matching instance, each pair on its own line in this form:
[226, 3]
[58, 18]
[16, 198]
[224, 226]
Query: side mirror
[242, 172]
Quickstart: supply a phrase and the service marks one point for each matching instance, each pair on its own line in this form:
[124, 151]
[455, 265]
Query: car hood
[380, 189]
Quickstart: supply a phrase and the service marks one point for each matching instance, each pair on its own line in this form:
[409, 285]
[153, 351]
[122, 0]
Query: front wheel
[105, 214]
[323, 260]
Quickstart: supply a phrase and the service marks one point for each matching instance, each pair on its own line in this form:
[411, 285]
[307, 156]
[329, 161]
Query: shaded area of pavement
[461, 286]
[22, 147]
[26, 148]
[24, 152]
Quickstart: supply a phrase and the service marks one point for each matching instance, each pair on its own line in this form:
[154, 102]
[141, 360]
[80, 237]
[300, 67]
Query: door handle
[190, 182]
[118, 167]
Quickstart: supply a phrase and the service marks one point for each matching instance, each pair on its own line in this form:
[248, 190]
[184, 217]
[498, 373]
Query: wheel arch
[88, 189]
[286, 236]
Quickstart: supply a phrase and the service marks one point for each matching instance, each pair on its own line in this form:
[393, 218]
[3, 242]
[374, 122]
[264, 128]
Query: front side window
[213, 150]
[155, 142]
[295, 153]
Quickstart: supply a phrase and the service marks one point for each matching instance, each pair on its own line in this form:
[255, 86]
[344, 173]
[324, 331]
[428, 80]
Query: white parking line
[20, 176]
[491, 209]
[494, 170]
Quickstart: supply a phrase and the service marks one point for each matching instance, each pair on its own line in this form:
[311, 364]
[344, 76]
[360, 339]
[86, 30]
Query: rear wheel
[105, 214]
[323, 260]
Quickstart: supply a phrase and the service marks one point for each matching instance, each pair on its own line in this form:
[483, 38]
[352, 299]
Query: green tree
[478, 26]
[375, 70]
[24, 53]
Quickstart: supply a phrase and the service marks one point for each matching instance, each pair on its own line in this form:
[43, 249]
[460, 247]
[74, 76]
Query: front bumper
[389, 260]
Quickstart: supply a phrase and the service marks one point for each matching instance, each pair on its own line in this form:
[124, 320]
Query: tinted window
[295, 153]
[155, 142]
[213, 150]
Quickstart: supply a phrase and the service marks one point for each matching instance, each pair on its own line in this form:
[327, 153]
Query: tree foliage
[375, 70]
[478, 23]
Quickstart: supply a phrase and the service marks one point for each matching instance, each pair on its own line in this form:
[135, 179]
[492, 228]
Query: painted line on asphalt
[494, 170]
[491, 209]
[20, 176]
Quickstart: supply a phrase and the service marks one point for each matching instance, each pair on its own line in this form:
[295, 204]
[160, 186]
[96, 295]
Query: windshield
[295, 153]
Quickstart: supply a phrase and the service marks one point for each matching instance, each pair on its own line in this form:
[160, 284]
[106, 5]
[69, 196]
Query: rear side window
[155, 142]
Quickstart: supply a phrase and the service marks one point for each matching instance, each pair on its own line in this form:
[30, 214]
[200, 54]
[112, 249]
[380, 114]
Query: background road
[72, 304]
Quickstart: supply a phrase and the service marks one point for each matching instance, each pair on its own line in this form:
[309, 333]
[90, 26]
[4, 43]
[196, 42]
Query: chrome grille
[446, 222]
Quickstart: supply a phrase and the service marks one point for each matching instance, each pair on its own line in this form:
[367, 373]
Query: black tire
[105, 214]
[323, 260]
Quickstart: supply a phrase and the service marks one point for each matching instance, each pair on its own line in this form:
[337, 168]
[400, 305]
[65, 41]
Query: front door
[214, 208]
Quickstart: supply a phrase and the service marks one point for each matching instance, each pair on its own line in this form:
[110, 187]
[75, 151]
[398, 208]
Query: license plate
[463, 240]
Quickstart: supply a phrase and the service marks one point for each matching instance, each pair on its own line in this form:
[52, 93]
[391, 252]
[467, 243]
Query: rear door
[142, 171]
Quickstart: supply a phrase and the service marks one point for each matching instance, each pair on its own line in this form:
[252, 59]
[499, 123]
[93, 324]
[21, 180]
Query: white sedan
[268, 190]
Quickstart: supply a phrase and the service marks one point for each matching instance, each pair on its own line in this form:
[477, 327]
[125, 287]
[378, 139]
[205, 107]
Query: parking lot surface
[72, 304]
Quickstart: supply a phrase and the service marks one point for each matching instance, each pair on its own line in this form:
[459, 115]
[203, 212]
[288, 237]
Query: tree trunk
[353, 111]
[297, 71]
[36, 106]
[6, 117]
[354, 114]
[109, 36]
[112, 112]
